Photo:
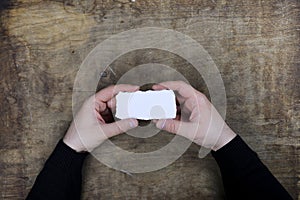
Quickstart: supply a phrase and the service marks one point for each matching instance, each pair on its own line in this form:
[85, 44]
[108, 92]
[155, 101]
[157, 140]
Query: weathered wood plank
[255, 44]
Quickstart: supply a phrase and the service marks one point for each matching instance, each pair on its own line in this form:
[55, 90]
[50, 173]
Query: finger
[172, 126]
[195, 115]
[185, 129]
[181, 87]
[190, 104]
[159, 87]
[178, 116]
[179, 98]
[154, 121]
[108, 93]
[99, 117]
[112, 104]
[119, 127]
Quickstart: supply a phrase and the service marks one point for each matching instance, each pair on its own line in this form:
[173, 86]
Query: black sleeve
[244, 175]
[61, 176]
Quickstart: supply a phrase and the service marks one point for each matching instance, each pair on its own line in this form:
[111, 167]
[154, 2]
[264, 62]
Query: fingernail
[132, 123]
[163, 124]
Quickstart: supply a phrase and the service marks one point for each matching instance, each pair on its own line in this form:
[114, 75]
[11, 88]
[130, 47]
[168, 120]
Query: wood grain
[255, 45]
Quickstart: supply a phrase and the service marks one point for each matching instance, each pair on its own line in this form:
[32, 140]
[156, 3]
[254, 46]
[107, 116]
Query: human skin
[199, 120]
[93, 123]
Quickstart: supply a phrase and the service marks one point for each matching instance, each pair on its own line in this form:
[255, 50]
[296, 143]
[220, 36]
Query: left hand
[91, 126]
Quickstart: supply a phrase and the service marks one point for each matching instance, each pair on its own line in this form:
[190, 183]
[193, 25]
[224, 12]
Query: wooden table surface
[255, 45]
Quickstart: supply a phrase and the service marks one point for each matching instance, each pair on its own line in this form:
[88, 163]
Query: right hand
[199, 121]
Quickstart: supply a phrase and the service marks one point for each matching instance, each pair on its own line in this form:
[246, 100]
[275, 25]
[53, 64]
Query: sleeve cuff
[65, 157]
[233, 153]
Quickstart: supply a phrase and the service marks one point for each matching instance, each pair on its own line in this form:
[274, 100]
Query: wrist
[72, 140]
[226, 136]
[73, 145]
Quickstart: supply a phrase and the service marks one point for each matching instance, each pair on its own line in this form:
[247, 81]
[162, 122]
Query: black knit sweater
[244, 175]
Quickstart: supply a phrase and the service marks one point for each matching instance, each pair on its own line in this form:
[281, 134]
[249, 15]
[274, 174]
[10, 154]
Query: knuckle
[118, 128]
[201, 95]
[112, 87]
[181, 82]
[201, 98]
[184, 84]
[172, 127]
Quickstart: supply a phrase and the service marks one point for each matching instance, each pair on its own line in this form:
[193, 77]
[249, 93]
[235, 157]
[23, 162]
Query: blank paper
[146, 105]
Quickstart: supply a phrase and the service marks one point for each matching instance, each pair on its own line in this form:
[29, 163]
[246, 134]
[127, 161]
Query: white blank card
[146, 105]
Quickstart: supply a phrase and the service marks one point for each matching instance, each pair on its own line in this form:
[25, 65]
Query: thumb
[172, 126]
[119, 127]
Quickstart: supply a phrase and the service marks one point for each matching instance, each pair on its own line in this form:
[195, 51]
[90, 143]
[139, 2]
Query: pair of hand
[198, 120]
